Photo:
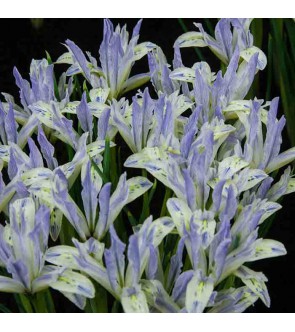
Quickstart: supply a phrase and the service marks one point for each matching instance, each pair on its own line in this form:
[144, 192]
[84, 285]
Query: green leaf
[4, 309]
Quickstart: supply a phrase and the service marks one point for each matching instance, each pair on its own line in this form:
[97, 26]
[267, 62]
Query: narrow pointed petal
[35, 155]
[47, 149]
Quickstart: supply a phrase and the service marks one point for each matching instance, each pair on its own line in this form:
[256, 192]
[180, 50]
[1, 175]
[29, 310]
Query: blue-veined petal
[180, 213]
[248, 178]
[159, 229]
[255, 281]
[133, 300]
[62, 255]
[70, 108]
[183, 74]
[266, 248]
[157, 297]
[249, 52]
[190, 39]
[73, 282]
[234, 300]
[198, 292]
[137, 186]
[95, 148]
[229, 166]
[35, 175]
[99, 95]
[142, 49]
[269, 209]
[206, 225]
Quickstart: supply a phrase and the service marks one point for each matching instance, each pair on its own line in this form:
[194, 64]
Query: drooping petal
[255, 281]
[137, 186]
[265, 248]
[73, 282]
[11, 286]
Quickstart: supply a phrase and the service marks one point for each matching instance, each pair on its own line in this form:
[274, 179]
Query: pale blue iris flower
[215, 153]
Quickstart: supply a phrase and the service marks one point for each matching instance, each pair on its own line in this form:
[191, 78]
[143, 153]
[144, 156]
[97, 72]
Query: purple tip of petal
[35, 155]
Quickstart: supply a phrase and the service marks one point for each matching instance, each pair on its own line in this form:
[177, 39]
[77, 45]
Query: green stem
[168, 194]
[106, 160]
[145, 209]
[25, 302]
[38, 302]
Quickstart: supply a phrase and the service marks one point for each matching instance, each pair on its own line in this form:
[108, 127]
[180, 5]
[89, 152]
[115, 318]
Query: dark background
[20, 41]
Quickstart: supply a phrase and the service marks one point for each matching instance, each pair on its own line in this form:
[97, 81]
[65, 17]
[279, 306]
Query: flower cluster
[216, 155]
